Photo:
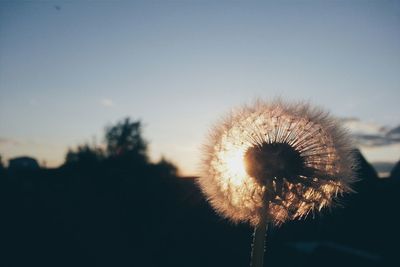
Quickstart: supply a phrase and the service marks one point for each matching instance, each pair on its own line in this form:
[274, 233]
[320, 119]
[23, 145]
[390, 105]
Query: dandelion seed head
[276, 159]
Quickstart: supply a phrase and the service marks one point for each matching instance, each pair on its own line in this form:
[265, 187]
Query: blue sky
[69, 68]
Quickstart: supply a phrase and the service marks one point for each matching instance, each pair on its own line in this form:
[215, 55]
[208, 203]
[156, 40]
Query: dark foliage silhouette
[23, 164]
[113, 208]
[1, 164]
[2, 168]
[84, 155]
[395, 173]
[125, 139]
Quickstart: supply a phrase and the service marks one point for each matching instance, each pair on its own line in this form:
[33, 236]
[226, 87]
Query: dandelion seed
[274, 162]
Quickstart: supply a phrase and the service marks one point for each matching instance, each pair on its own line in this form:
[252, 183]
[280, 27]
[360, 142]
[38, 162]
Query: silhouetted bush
[2, 169]
[395, 173]
[84, 155]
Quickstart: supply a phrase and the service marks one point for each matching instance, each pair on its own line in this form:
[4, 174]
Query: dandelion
[273, 162]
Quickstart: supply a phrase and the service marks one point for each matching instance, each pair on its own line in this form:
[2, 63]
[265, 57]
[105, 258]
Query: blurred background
[104, 106]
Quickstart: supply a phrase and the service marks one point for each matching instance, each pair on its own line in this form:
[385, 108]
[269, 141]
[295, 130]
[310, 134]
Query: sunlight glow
[317, 138]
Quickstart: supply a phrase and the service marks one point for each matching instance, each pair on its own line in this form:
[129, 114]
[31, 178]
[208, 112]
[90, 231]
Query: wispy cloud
[356, 126]
[107, 102]
[380, 145]
[372, 134]
[9, 141]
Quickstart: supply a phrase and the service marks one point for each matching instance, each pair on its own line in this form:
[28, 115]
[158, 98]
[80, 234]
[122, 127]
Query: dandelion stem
[257, 253]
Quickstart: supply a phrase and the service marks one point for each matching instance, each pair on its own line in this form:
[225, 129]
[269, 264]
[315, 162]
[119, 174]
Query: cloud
[371, 134]
[106, 102]
[9, 141]
[357, 126]
[380, 145]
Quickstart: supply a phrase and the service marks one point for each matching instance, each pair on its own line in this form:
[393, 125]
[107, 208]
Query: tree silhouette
[1, 166]
[84, 155]
[124, 140]
[395, 173]
[167, 167]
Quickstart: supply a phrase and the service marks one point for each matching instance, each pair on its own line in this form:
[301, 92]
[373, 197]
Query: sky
[70, 68]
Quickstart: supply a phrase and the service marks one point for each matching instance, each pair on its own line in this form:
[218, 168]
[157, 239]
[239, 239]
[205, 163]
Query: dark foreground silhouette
[115, 208]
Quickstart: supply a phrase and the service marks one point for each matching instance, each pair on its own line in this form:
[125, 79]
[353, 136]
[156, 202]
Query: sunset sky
[70, 68]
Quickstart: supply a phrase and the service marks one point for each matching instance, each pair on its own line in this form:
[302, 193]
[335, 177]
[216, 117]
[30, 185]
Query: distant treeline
[111, 206]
